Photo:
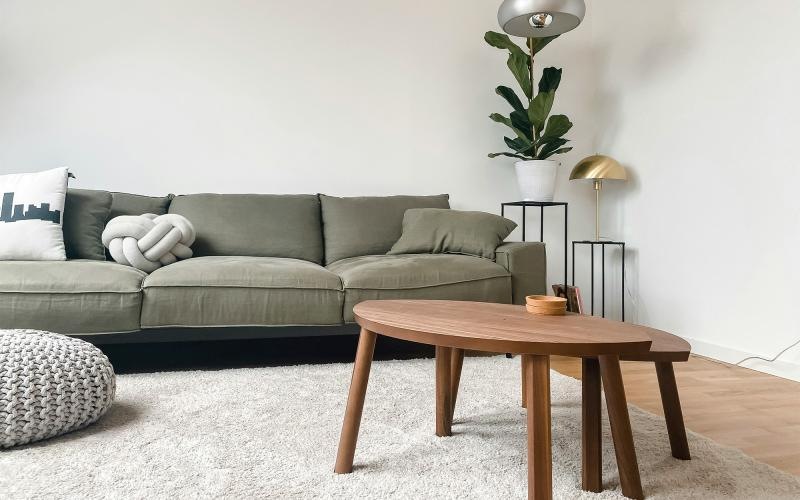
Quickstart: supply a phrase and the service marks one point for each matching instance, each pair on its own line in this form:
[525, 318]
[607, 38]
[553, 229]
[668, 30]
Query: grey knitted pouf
[50, 384]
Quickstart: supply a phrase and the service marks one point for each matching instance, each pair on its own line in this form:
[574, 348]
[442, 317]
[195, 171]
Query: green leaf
[540, 109]
[497, 117]
[520, 120]
[511, 97]
[518, 64]
[520, 144]
[557, 126]
[517, 59]
[556, 152]
[502, 41]
[540, 43]
[542, 104]
[512, 155]
[550, 146]
[551, 78]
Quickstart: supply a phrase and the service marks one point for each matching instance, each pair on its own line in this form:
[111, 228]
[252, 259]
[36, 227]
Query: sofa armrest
[527, 263]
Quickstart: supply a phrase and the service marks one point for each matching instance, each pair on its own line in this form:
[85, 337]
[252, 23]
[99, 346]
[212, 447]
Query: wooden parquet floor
[745, 409]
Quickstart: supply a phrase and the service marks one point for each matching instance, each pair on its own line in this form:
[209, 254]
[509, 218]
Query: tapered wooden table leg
[456, 363]
[620, 427]
[592, 449]
[443, 405]
[672, 410]
[540, 455]
[355, 402]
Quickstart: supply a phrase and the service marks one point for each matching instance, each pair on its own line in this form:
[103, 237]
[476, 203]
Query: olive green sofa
[264, 265]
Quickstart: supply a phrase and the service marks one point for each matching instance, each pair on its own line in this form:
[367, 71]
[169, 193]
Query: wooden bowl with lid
[546, 305]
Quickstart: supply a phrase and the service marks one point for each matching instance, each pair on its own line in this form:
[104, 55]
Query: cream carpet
[272, 433]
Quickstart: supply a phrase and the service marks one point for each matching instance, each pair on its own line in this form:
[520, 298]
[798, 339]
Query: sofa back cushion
[257, 225]
[85, 215]
[368, 225]
[137, 204]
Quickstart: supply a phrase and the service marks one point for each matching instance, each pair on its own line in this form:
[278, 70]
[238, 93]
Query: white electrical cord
[768, 360]
[634, 303]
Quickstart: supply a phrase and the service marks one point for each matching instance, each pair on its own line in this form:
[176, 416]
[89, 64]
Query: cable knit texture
[50, 384]
[149, 241]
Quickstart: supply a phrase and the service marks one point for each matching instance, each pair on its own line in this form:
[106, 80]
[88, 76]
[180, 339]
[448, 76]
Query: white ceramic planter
[537, 179]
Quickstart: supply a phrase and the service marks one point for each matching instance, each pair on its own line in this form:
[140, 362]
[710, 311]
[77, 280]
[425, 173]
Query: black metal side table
[541, 205]
[602, 245]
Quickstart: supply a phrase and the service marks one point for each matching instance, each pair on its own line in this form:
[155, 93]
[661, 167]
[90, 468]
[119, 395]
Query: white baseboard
[779, 368]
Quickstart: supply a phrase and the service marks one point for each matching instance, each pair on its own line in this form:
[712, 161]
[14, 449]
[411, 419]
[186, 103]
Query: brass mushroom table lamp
[598, 168]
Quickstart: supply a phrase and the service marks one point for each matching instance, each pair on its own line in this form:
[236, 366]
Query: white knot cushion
[149, 241]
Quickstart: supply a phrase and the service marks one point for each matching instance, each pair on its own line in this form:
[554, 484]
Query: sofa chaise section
[439, 276]
[76, 296]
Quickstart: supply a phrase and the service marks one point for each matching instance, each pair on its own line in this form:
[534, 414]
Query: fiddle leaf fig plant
[538, 135]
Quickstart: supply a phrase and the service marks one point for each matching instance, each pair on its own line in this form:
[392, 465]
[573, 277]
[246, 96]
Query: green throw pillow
[434, 230]
[85, 215]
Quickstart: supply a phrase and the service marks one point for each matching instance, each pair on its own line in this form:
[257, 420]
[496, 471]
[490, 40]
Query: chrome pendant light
[540, 18]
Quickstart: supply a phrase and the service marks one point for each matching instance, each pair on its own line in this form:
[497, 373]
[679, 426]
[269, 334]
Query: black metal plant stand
[541, 205]
[602, 245]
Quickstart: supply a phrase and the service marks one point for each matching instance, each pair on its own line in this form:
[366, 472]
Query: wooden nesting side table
[453, 326]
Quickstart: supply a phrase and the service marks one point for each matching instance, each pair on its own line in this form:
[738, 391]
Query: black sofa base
[218, 333]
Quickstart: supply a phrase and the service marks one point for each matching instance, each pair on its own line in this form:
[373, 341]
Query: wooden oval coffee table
[453, 326]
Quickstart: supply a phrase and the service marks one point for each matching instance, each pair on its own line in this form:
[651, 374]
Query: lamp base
[598, 185]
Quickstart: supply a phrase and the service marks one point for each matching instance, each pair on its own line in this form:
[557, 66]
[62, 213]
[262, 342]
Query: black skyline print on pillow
[13, 213]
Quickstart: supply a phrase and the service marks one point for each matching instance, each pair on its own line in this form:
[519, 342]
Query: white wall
[356, 97]
[700, 100]
[352, 97]
[378, 97]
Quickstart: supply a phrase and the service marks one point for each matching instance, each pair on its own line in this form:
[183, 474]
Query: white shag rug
[272, 433]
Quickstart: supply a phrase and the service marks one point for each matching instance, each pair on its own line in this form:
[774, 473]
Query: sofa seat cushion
[74, 296]
[441, 276]
[241, 291]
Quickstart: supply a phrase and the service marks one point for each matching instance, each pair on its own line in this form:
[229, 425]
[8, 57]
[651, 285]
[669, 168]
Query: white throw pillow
[31, 213]
[148, 241]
